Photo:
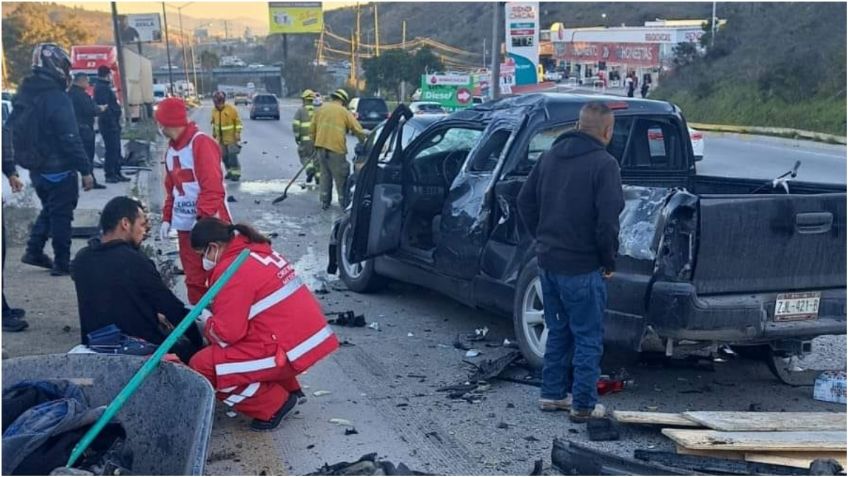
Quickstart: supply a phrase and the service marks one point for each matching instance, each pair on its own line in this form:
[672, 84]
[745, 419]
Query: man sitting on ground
[118, 285]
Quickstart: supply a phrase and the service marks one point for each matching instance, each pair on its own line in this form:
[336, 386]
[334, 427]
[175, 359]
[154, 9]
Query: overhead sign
[144, 27]
[522, 39]
[636, 54]
[295, 17]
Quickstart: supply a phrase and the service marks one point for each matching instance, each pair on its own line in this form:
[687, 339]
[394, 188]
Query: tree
[30, 24]
[389, 70]
[209, 60]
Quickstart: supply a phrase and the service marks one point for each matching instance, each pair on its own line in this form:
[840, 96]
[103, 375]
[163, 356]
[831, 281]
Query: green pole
[153, 361]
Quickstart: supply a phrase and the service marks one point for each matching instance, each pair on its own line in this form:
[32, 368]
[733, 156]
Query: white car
[426, 107]
[697, 138]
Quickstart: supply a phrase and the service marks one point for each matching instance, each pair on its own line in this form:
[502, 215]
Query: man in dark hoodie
[109, 122]
[86, 111]
[50, 133]
[118, 285]
[570, 204]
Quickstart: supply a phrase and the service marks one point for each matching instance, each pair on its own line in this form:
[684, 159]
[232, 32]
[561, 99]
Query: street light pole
[168, 50]
[403, 48]
[495, 87]
[713, 25]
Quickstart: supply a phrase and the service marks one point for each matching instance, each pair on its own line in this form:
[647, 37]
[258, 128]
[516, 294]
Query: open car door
[378, 199]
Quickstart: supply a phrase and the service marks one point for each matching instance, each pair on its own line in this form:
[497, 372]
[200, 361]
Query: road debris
[347, 318]
[321, 393]
[366, 465]
[231, 199]
[341, 422]
[472, 353]
[374, 326]
[351, 431]
[830, 387]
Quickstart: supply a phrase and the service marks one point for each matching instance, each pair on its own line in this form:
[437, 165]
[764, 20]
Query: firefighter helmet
[341, 95]
[307, 94]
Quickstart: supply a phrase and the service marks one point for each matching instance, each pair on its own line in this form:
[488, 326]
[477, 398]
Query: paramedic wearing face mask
[194, 187]
[266, 326]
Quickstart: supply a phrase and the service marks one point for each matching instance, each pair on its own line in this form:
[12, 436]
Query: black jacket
[571, 203]
[117, 284]
[59, 138]
[110, 119]
[84, 107]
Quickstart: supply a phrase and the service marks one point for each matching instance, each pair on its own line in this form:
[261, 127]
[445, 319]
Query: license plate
[266, 109]
[797, 306]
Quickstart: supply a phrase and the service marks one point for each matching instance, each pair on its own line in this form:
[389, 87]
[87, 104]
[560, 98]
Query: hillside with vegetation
[773, 64]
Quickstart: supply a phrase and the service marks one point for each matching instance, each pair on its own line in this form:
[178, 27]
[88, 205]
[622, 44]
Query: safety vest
[303, 123]
[225, 124]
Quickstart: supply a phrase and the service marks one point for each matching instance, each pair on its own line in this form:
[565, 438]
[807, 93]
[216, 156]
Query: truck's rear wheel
[359, 277]
[528, 315]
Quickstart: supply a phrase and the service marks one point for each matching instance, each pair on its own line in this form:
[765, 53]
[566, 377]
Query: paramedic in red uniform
[266, 326]
[194, 187]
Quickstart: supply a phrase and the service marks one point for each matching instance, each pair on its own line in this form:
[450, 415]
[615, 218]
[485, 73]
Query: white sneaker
[580, 416]
[550, 405]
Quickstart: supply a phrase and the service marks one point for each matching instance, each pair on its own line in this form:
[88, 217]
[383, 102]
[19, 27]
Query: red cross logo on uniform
[179, 176]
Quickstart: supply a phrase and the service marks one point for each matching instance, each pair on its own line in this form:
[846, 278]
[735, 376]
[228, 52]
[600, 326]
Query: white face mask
[208, 265]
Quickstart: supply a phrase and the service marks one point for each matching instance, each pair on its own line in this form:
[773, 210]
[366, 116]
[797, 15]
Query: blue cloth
[57, 177]
[574, 317]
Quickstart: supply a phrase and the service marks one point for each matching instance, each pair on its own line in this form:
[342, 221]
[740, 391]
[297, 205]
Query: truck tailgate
[776, 243]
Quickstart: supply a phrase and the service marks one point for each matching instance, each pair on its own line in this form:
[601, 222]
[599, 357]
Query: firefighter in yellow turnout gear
[330, 125]
[226, 128]
[302, 127]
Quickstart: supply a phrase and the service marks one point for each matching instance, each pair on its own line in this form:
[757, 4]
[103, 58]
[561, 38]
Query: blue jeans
[574, 317]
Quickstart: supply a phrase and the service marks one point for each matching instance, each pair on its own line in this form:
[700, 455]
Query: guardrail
[768, 131]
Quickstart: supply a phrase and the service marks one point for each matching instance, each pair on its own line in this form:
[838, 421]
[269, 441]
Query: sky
[257, 11]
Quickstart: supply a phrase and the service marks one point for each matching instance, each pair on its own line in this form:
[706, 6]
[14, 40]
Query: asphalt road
[384, 383]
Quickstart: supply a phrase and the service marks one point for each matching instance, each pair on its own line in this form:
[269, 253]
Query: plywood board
[769, 421]
[801, 460]
[718, 454]
[758, 441]
[653, 418]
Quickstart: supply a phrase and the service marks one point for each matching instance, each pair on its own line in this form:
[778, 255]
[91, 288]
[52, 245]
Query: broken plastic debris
[374, 325]
[320, 393]
[482, 332]
[341, 422]
[472, 353]
[231, 414]
[409, 335]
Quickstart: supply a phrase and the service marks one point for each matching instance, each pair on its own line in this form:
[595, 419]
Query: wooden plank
[758, 441]
[653, 418]
[769, 421]
[801, 460]
[718, 454]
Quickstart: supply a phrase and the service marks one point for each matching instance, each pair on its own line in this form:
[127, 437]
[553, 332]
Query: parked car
[426, 107]
[265, 106]
[703, 260]
[241, 98]
[553, 76]
[369, 111]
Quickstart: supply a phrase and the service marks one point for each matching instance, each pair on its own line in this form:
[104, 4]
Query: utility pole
[356, 50]
[484, 52]
[713, 26]
[285, 50]
[226, 30]
[403, 48]
[496, 47]
[121, 69]
[320, 57]
[377, 29]
[185, 52]
[352, 59]
[168, 50]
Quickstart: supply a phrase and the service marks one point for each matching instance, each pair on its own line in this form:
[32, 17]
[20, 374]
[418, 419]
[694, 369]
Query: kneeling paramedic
[265, 327]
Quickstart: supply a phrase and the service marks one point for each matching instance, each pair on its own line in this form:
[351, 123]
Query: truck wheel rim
[353, 270]
[533, 318]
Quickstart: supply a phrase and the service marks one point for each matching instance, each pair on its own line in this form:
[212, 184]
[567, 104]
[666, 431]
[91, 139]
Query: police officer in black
[86, 111]
[109, 121]
[54, 133]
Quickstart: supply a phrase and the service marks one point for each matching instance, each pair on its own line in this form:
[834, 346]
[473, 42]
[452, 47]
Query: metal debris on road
[366, 465]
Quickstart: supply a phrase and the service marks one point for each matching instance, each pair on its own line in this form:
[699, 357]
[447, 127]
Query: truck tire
[359, 277]
[528, 315]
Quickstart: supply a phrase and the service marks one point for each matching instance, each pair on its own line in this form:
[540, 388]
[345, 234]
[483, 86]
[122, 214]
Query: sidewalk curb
[769, 131]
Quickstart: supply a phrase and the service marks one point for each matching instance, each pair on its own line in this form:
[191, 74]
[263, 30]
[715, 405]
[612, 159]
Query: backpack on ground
[26, 124]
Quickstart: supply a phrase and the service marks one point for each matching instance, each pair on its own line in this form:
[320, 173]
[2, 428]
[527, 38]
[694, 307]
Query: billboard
[451, 91]
[522, 39]
[141, 27]
[295, 17]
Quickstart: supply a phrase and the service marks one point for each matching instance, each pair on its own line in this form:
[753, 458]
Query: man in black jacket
[570, 204]
[56, 137]
[109, 121]
[86, 111]
[118, 285]
[13, 318]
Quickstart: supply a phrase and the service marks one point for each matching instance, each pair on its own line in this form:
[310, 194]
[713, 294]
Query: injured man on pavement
[124, 305]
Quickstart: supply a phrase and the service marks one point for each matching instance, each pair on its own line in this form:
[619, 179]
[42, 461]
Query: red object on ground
[607, 386]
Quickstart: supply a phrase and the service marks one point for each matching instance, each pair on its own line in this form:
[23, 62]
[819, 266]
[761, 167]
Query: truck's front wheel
[528, 315]
[359, 277]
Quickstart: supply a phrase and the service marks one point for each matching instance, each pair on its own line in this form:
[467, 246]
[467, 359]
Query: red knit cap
[171, 113]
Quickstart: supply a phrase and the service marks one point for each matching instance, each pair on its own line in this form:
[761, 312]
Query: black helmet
[50, 59]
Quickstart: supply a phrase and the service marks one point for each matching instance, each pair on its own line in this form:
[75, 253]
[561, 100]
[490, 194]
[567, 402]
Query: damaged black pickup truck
[703, 261]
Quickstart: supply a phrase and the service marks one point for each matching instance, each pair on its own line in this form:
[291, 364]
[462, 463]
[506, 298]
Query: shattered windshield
[639, 220]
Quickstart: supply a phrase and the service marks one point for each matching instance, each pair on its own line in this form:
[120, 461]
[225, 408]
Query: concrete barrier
[768, 131]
